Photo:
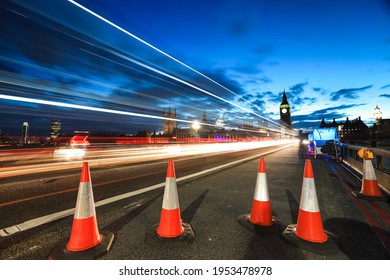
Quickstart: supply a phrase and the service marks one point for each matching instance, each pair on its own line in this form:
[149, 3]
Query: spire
[204, 119]
[284, 97]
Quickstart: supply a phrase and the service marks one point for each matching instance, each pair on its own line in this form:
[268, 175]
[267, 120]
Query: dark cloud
[385, 95]
[386, 86]
[265, 80]
[317, 89]
[298, 88]
[314, 119]
[349, 93]
[299, 101]
[264, 50]
[238, 27]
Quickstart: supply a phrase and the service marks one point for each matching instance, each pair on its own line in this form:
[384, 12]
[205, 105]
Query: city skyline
[234, 61]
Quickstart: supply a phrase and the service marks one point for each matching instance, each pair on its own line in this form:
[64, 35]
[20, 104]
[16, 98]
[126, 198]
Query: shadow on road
[357, 240]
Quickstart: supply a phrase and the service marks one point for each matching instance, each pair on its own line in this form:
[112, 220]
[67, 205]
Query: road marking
[62, 214]
[72, 190]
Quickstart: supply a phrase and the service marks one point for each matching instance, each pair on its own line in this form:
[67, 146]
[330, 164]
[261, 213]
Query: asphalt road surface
[210, 203]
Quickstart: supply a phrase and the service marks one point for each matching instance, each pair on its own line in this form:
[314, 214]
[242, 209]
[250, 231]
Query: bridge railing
[381, 162]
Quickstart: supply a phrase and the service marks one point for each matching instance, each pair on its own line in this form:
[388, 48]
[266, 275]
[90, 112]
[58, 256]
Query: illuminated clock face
[284, 110]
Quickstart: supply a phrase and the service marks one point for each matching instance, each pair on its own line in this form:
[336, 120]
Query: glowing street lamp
[196, 126]
[377, 114]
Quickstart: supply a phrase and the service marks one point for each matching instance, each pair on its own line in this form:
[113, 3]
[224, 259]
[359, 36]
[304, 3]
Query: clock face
[284, 110]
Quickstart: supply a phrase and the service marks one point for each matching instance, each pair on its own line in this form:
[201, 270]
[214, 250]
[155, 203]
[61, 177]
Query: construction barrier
[260, 219]
[370, 189]
[171, 229]
[309, 233]
[85, 241]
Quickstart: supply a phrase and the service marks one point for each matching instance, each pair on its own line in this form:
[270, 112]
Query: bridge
[214, 189]
[182, 199]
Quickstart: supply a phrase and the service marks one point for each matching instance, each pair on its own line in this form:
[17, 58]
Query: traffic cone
[85, 241]
[370, 188]
[260, 219]
[309, 232]
[170, 220]
[171, 228]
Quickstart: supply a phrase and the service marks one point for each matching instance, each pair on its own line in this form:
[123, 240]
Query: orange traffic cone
[170, 220]
[85, 241]
[261, 206]
[171, 228]
[309, 233]
[370, 188]
[260, 219]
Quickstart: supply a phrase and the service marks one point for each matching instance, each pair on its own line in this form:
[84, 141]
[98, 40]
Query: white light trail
[102, 110]
[83, 107]
[176, 60]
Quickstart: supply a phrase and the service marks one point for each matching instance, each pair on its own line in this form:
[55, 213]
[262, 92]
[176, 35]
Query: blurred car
[69, 153]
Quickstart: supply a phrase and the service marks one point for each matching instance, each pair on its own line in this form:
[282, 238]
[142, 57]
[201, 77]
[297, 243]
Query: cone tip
[308, 170]
[262, 166]
[171, 169]
[85, 177]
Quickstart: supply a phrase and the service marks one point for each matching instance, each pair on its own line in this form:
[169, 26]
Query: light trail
[134, 155]
[271, 125]
[103, 110]
[65, 213]
[176, 60]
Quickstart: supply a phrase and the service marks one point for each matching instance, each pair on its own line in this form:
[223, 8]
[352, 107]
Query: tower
[204, 118]
[169, 126]
[24, 139]
[285, 115]
[55, 129]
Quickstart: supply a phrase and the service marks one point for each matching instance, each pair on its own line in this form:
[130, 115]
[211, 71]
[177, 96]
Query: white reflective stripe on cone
[261, 188]
[85, 206]
[171, 199]
[309, 200]
[368, 170]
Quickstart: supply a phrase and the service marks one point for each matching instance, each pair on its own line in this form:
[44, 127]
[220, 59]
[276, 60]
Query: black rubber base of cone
[329, 247]
[277, 226]
[185, 238]
[370, 197]
[62, 253]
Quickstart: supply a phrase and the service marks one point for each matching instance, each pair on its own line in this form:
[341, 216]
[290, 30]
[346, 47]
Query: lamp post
[196, 126]
[378, 119]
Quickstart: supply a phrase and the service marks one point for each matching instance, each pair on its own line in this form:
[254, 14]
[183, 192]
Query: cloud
[385, 95]
[264, 50]
[314, 119]
[265, 80]
[298, 88]
[303, 100]
[317, 89]
[386, 86]
[349, 93]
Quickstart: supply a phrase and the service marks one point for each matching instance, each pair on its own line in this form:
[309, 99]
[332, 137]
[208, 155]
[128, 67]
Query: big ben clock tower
[285, 115]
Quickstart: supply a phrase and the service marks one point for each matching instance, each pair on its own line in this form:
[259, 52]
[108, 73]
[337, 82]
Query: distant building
[355, 129]
[55, 129]
[381, 130]
[285, 113]
[24, 138]
[169, 125]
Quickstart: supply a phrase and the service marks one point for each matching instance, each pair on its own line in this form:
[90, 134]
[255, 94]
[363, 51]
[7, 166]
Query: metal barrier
[381, 163]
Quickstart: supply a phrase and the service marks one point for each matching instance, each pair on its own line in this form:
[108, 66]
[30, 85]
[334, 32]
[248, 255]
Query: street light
[196, 126]
[377, 114]
[378, 118]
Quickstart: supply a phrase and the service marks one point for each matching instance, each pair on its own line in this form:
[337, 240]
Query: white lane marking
[62, 214]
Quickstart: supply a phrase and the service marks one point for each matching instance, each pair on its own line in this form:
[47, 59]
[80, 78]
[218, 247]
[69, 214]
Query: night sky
[232, 59]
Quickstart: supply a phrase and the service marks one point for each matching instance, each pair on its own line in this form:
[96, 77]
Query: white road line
[62, 214]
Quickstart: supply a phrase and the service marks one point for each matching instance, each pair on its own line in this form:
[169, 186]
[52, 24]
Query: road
[211, 203]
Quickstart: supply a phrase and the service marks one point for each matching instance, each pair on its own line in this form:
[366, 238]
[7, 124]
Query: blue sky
[331, 57]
